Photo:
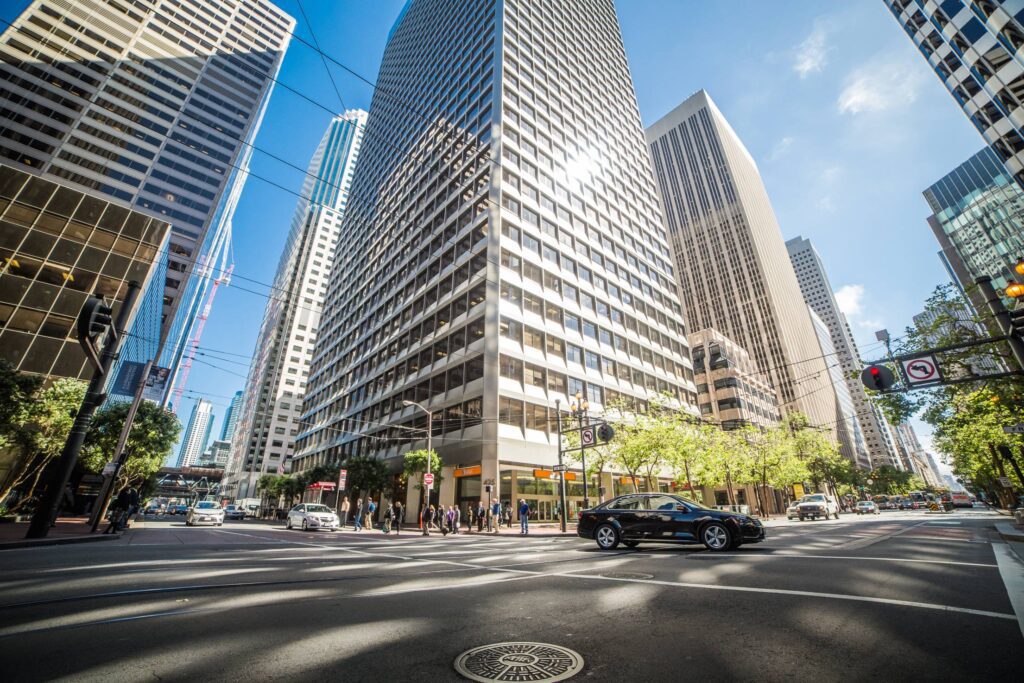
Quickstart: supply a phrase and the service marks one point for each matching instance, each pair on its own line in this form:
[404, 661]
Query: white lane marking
[1011, 569]
[801, 556]
[806, 594]
[871, 540]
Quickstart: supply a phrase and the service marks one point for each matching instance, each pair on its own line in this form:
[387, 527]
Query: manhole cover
[627, 575]
[519, 662]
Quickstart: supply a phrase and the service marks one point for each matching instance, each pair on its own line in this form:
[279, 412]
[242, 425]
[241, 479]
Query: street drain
[627, 575]
[519, 662]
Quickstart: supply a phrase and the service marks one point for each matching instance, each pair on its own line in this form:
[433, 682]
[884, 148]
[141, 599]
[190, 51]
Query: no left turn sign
[921, 370]
[588, 436]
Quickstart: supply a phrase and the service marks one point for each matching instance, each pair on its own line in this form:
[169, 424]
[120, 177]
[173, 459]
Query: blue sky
[846, 122]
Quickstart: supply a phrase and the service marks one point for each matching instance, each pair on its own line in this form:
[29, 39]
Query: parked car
[867, 507]
[659, 517]
[791, 511]
[177, 509]
[234, 512]
[155, 509]
[816, 505]
[205, 512]
[309, 516]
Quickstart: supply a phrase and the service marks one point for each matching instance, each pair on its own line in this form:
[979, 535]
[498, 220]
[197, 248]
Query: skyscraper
[152, 105]
[817, 292]
[852, 445]
[502, 251]
[227, 430]
[733, 269]
[973, 48]
[978, 220]
[197, 433]
[268, 421]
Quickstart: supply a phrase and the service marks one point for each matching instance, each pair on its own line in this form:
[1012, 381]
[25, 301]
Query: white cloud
[850, 299]
[812, 54]
[781, 148]
[880, 85]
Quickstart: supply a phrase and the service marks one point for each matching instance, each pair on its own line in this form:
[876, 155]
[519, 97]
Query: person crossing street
[524, 517]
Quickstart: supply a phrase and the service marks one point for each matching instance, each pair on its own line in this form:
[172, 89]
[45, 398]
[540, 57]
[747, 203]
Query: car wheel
[716, 537]
[607, 537]
[305, 525]
[288, 523]
[802, 518]
[631, 544]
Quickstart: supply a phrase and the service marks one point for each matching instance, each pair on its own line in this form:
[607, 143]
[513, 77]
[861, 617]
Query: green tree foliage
[39, 437]
[414, 464]
[366, 474]
[16, 392]
[968, 419]
[150, 441]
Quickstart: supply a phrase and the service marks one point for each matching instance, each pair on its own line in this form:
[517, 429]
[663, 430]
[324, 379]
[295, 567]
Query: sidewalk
[68, 530]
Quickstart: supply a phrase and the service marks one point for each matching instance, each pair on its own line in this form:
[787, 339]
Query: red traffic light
[877, 377]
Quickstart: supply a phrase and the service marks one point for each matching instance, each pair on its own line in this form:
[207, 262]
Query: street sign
[588, 436]
[428, 479]
[1015, 429]
[1005, 481]
[921, 370]
[559, 468]
[342, 478]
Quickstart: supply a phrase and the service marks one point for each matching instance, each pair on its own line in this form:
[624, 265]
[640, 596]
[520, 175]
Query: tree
[366, 474]
[819, 453]
[150, 441]
[40, 437]
[16, 393]
[414, 464]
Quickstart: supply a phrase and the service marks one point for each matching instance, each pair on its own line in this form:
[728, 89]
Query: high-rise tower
[151, 104]
[734, 273]
[817, 292]
[227, 430]
[502, 251]
[268, 419]
[197, 433]
[975, 50]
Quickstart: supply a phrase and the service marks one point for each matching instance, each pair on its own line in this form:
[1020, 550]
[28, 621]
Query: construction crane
[193, 343]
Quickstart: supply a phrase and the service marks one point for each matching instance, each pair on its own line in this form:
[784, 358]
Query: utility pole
[94, 398]
[120, 453]
[561, 479]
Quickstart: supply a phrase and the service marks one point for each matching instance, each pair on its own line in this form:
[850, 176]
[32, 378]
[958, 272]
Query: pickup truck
[816, 505]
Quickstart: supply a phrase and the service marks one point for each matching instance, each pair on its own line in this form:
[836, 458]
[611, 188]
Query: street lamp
[430, 454]
[579, 411]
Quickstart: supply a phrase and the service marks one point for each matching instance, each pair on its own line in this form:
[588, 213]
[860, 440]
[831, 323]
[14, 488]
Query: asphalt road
[890, 597]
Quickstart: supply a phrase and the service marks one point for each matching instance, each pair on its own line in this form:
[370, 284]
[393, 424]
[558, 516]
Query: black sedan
[660, 517]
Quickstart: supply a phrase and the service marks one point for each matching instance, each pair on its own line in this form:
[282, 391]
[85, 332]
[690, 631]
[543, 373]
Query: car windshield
[207, 505]
[318, 508]
[232, 507]
[819, 498]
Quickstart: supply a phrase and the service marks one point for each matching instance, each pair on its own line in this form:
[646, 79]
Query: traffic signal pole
[94, 398]
[1003, 319]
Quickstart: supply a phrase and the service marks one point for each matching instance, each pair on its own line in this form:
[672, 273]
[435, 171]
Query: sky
[845, 120]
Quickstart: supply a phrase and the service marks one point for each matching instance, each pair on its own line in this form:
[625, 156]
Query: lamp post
[430, 457]
[561, 480]
[579, 411]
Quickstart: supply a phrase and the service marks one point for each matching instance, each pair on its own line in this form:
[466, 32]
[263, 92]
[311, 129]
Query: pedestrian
[396, 516]
[425, 520]
[470, 518]
[121, 504]
[524, 517]
[508, 515]
[371, 508]
[481, 516]
[452, 525]
[496, 516]
[357, 520]
[385, 526]
[133, 502]
[345, 506]
[456, 513]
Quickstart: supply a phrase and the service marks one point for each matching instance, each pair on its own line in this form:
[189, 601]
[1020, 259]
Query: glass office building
[502, 251]
[149, 104]
[974, 49]
[57, 246]
[269, 416]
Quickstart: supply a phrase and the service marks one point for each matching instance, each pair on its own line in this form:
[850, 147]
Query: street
[877, 597]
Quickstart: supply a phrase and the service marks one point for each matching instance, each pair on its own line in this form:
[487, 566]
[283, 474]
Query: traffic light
[605, 432]
[94, 320]
[877, 377]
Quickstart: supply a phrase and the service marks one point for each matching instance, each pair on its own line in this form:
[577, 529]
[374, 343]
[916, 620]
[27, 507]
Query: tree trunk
[15, 482]
[728, 487]
[689, 479]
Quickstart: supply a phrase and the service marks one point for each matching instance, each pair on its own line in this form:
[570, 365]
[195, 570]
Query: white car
[792, 511]
[867, 507]
[205, 512]
[309, 516]
[816, 505]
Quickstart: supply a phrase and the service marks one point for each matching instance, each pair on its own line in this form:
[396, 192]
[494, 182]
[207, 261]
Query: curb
[1009, 532]
[32, 543]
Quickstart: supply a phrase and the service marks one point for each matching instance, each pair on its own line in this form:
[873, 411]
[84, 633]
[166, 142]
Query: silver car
[310, 516]
[205, 512]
